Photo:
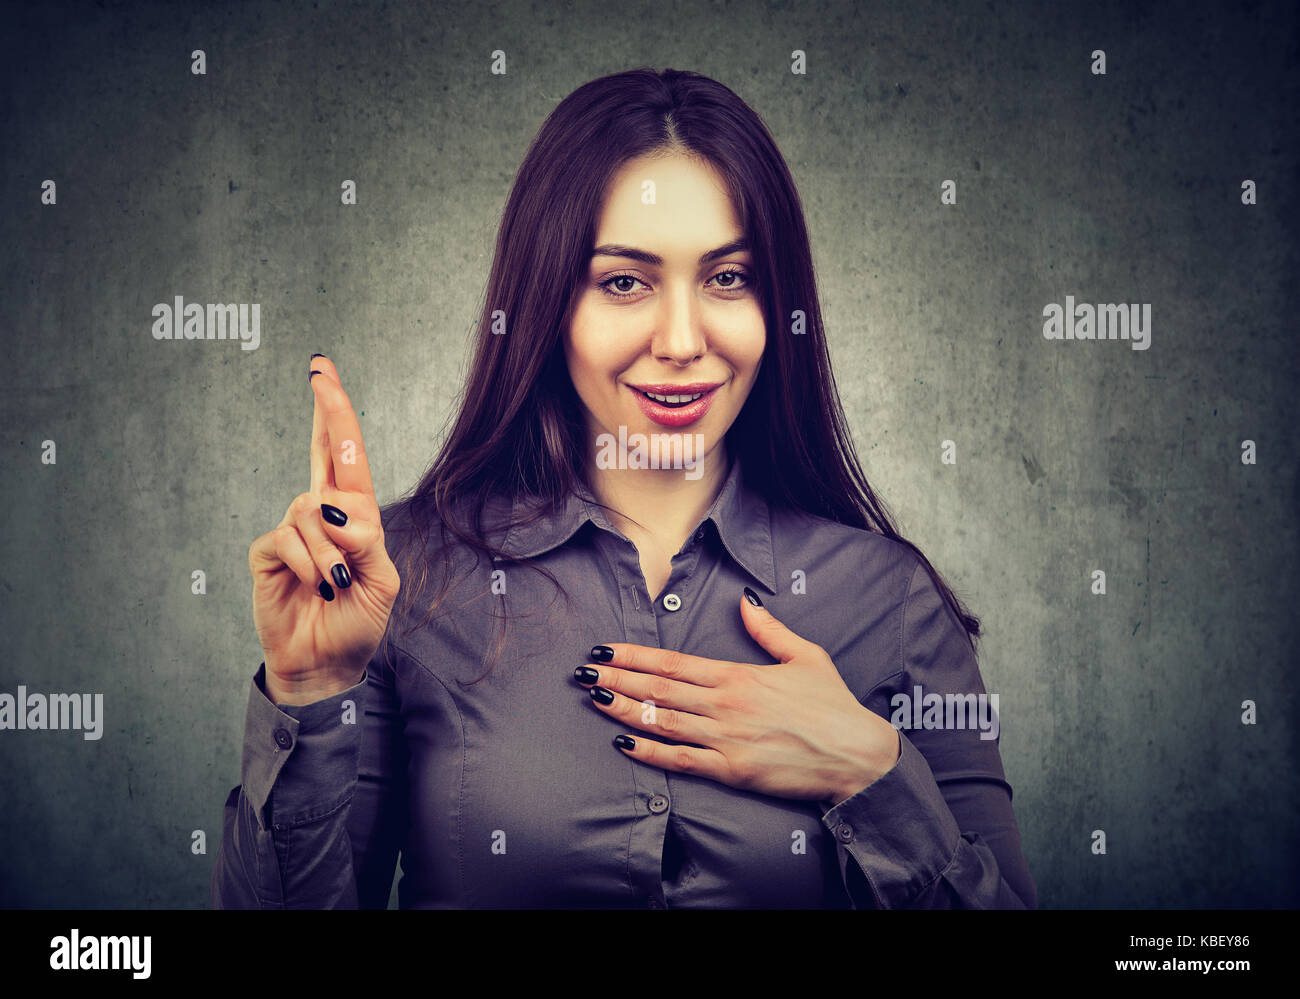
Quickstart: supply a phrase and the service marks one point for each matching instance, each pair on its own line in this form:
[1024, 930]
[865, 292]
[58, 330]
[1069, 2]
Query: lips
[675, 399]
[679, 415]
[672, 388]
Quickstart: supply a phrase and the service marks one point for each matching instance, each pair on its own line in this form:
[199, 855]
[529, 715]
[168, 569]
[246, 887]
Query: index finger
[322, 472]
[665, 662]
[346, 449]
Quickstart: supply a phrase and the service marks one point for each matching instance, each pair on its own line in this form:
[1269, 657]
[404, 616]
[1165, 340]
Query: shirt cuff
[307, 753]
[898, 830]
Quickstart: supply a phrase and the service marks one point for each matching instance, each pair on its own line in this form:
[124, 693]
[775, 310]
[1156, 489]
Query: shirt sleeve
[320, 814]
[937, 830]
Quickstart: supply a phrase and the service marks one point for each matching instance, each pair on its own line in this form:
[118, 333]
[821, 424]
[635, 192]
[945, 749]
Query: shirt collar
[740, 514]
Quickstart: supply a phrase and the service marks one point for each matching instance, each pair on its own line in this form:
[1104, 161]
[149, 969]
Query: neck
[660, 504]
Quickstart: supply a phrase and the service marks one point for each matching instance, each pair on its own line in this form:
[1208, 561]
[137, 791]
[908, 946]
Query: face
[662, 311]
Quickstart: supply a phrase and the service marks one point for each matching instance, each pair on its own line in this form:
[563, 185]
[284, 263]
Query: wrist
[871, 761]
[306, 690]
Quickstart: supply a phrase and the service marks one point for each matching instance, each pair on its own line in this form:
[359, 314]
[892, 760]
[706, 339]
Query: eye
[728, 282]
[733, 273]
[627, 293]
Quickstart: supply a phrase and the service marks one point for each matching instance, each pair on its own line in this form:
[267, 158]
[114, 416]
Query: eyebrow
[654, 260]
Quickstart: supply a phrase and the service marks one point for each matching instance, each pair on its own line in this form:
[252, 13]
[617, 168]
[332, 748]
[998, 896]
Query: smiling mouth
[673, 401]
[672, 405]
[671, 395]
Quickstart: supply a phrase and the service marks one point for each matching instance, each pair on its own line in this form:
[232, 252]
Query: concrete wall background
[1120, 713]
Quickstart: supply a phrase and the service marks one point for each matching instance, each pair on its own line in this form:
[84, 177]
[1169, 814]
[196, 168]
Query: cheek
[581, 344]
[603, 345]
[745, 342]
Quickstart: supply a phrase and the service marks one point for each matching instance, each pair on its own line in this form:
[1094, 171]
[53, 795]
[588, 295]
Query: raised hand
[323, 590]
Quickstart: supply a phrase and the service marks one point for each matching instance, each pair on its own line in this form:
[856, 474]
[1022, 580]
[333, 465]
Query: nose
[679, 334]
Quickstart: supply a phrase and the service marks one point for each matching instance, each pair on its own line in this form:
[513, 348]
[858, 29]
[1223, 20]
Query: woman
[595, 707]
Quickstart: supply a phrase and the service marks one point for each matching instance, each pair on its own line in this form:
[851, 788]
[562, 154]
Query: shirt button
[658, 803]
[844, 832]
[672, 601]
[654, 903]
[699, 535]
[282, 738]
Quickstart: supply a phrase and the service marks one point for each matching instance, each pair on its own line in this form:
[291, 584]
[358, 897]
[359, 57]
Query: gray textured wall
[1120, 712]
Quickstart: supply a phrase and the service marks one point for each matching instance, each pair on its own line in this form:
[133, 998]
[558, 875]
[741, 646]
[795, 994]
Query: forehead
[670, 201]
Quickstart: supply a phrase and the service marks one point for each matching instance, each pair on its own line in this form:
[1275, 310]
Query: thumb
[767, 631]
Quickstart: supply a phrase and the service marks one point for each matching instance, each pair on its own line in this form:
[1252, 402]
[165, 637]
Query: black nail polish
[624, 742]
[752, 597]
[314, 356]
[602, 695]
[585, 674]
[334, 515]
[326, 590]
[602, 653]
[341, 578]
[311, 376]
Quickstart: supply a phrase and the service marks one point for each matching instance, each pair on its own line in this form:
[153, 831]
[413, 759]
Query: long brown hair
[518, 430]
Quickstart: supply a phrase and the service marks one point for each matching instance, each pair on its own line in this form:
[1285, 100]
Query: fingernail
[624, 742]
[334, 515]
[326, 590]
[311, 376]
[341, 578]
[602, 653]
[602, 695]
[585, 674]
[752, 597]
[314, 356]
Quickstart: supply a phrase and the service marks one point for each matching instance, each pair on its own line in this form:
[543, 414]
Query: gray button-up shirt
[507, 792]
